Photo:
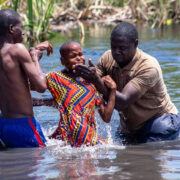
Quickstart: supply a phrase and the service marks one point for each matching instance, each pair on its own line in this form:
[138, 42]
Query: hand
[109, 82]
[46, 45]
[35, 54]
[86, 72]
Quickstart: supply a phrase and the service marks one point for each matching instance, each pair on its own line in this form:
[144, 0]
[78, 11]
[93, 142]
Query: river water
[159, 160]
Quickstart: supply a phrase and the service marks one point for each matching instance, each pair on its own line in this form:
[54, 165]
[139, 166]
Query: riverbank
[156, 15]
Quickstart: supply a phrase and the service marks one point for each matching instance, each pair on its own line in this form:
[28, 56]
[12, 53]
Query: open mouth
[79, 63]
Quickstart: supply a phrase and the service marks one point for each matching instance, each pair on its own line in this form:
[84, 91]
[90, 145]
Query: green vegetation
[35, 14]
[38, 15]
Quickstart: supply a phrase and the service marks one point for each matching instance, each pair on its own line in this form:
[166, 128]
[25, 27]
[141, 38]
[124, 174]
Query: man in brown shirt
[146, 111]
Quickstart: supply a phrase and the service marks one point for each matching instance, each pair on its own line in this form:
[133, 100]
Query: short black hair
[64, 49]
[125, 29]
[8, 17]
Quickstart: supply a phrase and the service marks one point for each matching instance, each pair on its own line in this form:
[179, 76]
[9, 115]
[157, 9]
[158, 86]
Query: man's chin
[119, 61]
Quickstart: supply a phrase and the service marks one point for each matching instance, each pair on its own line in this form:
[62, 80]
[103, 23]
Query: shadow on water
[149, 161]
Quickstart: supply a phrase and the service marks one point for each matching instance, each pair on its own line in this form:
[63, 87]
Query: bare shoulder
[19, 53]
[13, 49]
[18, 49]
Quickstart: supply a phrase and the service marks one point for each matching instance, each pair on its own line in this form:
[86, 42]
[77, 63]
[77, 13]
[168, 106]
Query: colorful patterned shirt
[76, 100]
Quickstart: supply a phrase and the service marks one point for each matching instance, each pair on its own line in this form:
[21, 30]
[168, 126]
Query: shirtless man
[18, 127]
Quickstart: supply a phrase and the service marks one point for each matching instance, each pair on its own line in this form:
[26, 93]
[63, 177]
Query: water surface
[160, 160]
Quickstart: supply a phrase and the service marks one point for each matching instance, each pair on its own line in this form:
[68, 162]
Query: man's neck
[5, 39]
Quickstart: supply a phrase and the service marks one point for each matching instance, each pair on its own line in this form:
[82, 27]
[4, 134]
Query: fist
[109, 82]
[35, 54]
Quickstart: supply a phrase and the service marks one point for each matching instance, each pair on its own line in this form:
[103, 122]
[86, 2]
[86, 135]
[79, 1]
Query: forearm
[43, 102]
[39, 86]
[39, 68]
[109, 107]
[100, 86]
[121, 101]
[36, 56]
[128, 96]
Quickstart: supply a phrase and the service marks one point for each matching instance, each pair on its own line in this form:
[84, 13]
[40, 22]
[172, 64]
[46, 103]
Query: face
[122, 50]
[17, 32]
[73, 56]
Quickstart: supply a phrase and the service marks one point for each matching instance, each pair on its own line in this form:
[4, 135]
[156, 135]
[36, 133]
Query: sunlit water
[112, 161]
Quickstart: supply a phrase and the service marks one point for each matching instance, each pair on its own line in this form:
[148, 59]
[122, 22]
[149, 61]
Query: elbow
[120, 106]
[106, 119]
[42, 88]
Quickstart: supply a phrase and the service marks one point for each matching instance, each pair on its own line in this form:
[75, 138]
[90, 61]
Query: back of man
[18, 127]
[14, 90]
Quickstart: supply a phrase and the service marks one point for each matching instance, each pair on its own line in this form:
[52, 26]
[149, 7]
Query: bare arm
[123, 99]
[46, 45]
[31, 68]
[89, 73]
[44, 102]
[106, 110]
[36, 54]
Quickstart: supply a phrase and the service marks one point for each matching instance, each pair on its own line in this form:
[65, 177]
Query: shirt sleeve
[145, 79]
[99, 68]
[104, 63]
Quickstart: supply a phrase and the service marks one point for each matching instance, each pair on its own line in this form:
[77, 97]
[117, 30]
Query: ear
[62, 61]
[136, 43]
[11, 30]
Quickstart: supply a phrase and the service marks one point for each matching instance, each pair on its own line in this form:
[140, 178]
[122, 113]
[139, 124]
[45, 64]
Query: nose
[78, 58]
[116, 52]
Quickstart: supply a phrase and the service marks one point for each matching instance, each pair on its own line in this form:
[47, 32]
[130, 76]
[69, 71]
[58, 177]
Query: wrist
[113, 90]
[96, 79]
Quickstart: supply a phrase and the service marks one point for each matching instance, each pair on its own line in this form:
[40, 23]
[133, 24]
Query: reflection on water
[149, 161]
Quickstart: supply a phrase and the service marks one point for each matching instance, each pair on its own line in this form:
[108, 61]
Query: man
[18, 127]
[146, 111]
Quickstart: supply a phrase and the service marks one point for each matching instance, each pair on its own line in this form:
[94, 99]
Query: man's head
[11, 25]
[124, 41]
[71, 54]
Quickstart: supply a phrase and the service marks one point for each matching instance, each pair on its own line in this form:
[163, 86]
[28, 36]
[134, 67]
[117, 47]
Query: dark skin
[17, 70]
[123, 51]
[72, 56]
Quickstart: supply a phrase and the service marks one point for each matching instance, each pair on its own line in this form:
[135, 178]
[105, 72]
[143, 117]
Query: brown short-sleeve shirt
[145, 74]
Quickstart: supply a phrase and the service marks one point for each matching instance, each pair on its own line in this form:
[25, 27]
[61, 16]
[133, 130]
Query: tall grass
[35, 14]
[30, 17]
[15, 5]
[39, 13]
